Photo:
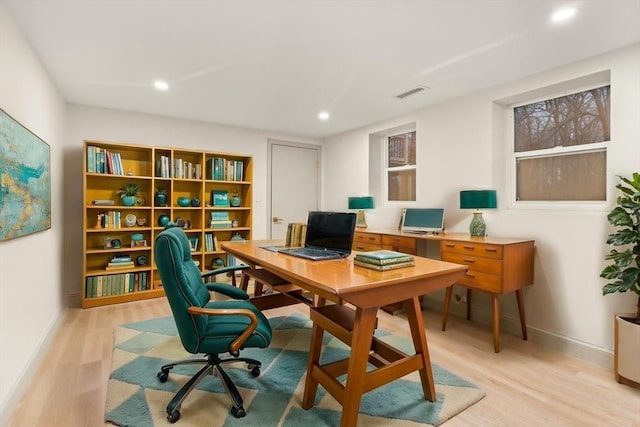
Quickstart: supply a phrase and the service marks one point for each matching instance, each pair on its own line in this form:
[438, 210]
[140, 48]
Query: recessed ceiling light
[323, 115]
[563, 15]
[161, 85]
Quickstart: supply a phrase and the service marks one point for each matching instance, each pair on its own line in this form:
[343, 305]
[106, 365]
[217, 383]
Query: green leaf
[611, 288]
[623, 237]
[629, 276]
[610, 272]
[622, 259]
[620, 218]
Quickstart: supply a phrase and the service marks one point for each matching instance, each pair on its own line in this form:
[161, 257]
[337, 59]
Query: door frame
[270, 143]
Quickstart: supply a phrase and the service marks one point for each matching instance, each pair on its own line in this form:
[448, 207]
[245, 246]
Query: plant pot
[627, 349]
[129, 200]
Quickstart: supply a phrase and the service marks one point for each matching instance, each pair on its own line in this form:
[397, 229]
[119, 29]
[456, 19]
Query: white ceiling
[275, 65]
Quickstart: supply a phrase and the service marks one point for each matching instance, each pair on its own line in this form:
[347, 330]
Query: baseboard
[24, 379]
[550, 340]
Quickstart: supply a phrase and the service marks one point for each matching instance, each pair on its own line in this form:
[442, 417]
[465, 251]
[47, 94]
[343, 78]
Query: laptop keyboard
[313, 253]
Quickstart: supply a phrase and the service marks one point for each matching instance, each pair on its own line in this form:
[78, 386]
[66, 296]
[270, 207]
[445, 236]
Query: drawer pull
[372, 238]
[361, 248]
[471, 261]
[470, 248]
[470, 275]
[491, 249]
[449, 245]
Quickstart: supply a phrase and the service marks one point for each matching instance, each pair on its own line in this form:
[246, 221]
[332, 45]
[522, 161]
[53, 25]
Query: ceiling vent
[411, 92]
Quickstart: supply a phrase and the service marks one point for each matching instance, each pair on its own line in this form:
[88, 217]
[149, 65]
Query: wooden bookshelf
[181, 173]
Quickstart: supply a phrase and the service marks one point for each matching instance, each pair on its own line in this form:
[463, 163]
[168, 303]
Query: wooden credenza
[494, 265]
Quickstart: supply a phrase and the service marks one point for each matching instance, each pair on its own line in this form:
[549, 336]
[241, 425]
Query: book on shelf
[119, 265]
[383, 257]
[219, 198]
[384, 267]
[101, 160]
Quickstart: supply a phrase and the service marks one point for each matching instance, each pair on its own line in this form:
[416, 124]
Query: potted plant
[624, 275]
[129, 194]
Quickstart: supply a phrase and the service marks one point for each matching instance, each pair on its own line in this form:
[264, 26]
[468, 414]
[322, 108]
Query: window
[400, 161]
[559, 147]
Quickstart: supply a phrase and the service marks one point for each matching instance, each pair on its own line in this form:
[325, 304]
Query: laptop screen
[423, 220]
[330, 230]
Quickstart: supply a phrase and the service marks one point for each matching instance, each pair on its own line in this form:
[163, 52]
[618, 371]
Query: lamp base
[478, 227]
[360, 222]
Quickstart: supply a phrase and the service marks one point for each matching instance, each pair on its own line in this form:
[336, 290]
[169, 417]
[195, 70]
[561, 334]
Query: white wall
[461, 145]
[31, 296]
[89, 123]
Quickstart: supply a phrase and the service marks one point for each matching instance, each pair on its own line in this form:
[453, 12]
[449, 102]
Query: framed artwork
[25, 180]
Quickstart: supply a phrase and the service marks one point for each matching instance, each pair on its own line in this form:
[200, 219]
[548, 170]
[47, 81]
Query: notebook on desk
[329, 236]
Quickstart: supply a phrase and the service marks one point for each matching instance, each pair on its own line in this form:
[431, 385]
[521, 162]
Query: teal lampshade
[478, 199]
[365, 202]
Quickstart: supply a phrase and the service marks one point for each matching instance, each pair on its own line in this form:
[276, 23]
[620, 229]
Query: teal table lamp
[478, 199]
[361, 203]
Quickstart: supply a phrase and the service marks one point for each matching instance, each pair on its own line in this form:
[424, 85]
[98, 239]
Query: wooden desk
[340, 281]
[495, 265]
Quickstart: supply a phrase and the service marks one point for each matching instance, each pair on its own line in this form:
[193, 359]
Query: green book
[385, 267]
[383, 257]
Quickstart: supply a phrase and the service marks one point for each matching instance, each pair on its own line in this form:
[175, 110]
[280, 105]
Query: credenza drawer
[475, 263]
[400, 244]
[365, 247]
[471, 248]
[368, 238]
[483, 281]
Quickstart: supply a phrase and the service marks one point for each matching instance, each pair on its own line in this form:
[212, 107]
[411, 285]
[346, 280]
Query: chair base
[212, 366]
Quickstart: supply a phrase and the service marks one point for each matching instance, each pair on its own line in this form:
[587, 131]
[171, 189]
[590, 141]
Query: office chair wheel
[238, 412]
[255, 372]
[163, 376]
[173, 417]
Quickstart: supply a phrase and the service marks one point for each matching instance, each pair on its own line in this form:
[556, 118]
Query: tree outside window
[560, 147]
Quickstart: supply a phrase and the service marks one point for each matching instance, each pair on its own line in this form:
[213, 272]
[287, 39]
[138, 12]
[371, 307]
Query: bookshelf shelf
[179, 173]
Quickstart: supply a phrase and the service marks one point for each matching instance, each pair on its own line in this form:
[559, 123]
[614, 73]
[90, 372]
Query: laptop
[329, 236]
[423, 221]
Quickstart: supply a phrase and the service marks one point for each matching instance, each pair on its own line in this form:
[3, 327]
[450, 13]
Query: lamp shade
[478, 199]
[365, 202]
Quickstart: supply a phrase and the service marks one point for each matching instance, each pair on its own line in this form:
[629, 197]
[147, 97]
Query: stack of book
[220, 219]
[383, 260]
[119, 262]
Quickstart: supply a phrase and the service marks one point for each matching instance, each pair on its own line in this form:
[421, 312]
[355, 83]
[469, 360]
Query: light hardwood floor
[525, 384]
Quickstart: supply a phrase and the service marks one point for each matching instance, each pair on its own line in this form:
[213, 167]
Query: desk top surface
[462, 237]
[342, 279]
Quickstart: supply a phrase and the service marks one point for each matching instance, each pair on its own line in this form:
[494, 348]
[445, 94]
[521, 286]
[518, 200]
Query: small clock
[130, 220]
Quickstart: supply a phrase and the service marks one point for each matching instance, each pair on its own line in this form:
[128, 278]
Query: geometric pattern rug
[136, 398]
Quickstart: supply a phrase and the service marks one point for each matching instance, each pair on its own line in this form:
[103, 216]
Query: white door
[295, 184]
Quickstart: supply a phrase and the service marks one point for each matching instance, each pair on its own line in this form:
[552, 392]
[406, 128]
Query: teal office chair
[204, 326]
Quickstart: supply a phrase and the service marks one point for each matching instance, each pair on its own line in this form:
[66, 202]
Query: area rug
[136, 398]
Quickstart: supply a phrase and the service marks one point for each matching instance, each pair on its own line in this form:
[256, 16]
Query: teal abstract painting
[25, 180]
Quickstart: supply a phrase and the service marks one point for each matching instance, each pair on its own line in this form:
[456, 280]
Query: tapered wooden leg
[447, 304]
[311, 385]
[468, 303]
[364, 326]
[496, 323]
[419, 336]
[523, 322]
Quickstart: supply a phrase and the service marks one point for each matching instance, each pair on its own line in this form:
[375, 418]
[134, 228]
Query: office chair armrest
[224, 270]
[228, 290]
[236, 345]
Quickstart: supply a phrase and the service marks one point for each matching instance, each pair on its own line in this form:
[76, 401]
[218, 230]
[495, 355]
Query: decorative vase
[128, 200]
[163, 220]
[160, 198]
[183, 201]
[235, 200]
[195, 203]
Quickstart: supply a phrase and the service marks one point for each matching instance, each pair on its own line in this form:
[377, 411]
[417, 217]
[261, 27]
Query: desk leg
[363, 328]
[447, 304]
[419, 336]
[496, 323]
[468, 303]
[523, 323]
[310, 384]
